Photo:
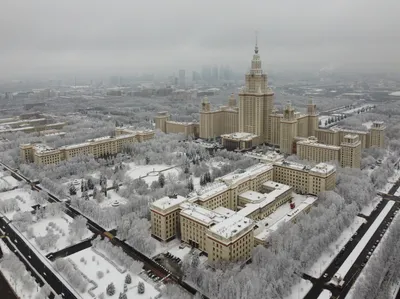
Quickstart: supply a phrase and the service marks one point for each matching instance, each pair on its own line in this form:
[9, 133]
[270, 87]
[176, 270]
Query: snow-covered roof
[168, 202]
[211, 189]
[323, 168]
[267, 157]
[314, 142]
[263, 235]
[41, 148]
[262, 200]
[232, 226]
[201, 214]
[293, 165]
[241, 175]
[224, 211]
[240, 136]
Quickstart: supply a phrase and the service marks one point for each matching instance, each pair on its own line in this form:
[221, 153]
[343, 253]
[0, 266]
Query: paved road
[6, 290]
[149, 264]
[71, 249]
[321, 283]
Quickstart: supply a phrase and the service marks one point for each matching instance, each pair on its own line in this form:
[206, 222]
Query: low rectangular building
[240, 141]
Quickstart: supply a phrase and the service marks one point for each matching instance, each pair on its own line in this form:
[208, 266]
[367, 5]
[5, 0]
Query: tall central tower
[256, 101]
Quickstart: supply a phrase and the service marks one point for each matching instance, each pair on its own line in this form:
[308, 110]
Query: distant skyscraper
[206, 73]
[182, 79]
[215, 73]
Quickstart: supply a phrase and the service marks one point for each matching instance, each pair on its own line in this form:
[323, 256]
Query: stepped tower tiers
[205, 104]
[256, 101]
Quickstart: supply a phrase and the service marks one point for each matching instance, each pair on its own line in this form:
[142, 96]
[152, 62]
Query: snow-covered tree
[128, 278]
[140, 287]
[161, 180]
[110, 289]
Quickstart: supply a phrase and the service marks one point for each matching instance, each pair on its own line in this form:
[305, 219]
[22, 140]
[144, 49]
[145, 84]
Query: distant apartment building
[220, 218]
[28, 123]
[164, 124]
[42, 154]
[348, 154]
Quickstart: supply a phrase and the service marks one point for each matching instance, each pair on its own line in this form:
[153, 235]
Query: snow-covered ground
[140, 171]
[60, 229]
[111, 275]
[323, 119]
[325, 295]
[24, 204]
[334, 248]
[367, 210]
[178, 252]
[15, 279]
[7, 182]
[348, 263]
[112, 197]
[350, 295]
[300, 289]
[395, 94]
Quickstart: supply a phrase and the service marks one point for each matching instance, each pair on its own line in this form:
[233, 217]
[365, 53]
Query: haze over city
[48, 37]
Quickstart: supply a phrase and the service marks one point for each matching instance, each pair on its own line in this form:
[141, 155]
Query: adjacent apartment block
[219, 219]
[164, 124]
[42, 154]
[348, 154]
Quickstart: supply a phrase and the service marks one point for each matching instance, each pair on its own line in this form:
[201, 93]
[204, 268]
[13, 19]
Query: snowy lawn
[60, 228]
[96, 263]
[348, 263]
[140, 171]
[25, 202]
[300, 289]
[7, 182]
[325, 295]
[326, 258]
[112, 197]
[21, 281]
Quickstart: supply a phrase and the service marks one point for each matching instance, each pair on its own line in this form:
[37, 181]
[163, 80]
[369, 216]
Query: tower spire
[256, 47]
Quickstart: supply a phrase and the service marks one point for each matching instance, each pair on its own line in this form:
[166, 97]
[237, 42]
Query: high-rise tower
[312, 118]
[256, 101]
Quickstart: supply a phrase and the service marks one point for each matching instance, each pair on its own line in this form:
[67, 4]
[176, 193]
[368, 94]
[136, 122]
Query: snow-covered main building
[254, 120]
[220, 218]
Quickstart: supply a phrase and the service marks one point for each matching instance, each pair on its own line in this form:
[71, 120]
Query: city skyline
[134, 36]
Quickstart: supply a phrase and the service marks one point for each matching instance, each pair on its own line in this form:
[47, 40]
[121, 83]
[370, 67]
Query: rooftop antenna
[256, 48]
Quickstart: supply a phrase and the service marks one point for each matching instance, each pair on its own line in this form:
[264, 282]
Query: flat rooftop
[315, 143]
[201, 214]
[240, 136]
[168, 202]
[260, 200]
[293, 165]
[224, 211]
[41, 148]
[267, 157]
[323, 168]
[240, 175]
[210, 190]
[232, 226]
[264, 233]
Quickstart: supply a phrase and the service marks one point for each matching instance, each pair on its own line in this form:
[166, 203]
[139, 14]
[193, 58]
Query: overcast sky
[50, 36]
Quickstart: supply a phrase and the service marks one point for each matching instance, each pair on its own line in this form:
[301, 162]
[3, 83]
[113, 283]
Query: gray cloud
[64, 36]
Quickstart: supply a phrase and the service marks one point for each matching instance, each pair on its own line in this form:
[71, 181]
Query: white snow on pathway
[95, 263]
[326, 258]
[325, 295]
[348, 263]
